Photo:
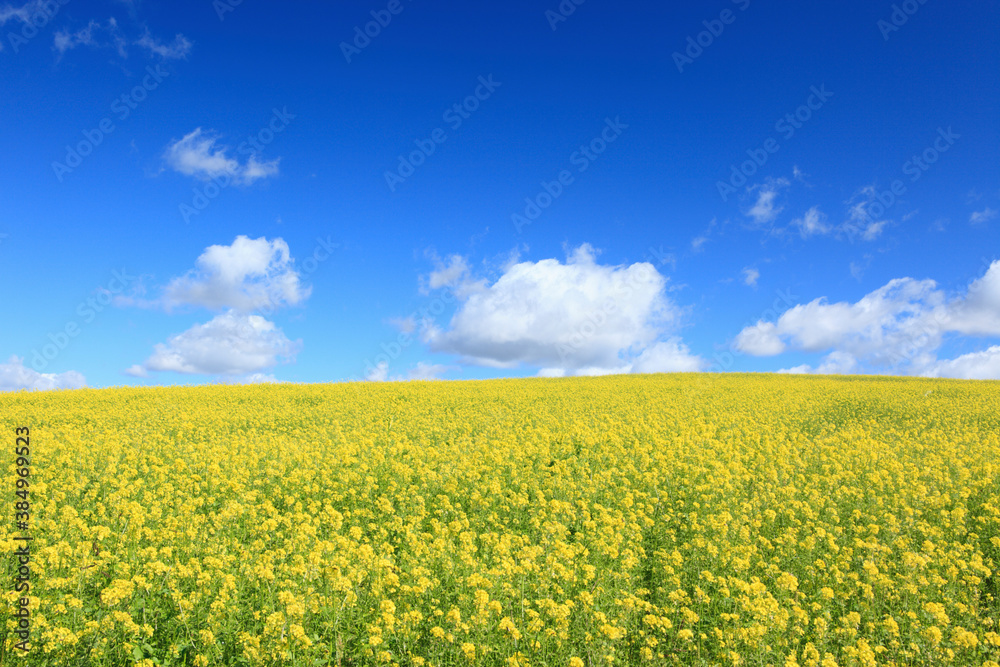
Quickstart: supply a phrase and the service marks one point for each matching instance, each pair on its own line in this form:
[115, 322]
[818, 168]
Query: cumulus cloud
[898, 327]
[978, 312]
[579, 317]
[984, 365]
[14, 375]
[197, 154]
[249, 274]
[760, 340]
[669, 356]
[230, 344]
[751, 276]
[980, 217]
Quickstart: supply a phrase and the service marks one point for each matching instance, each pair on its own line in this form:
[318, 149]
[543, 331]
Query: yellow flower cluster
[659, 519]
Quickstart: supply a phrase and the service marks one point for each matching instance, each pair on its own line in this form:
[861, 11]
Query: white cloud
[180, 48]
[110, 34]
[197, 155]
[812, 223]
[252, 378]
[246, 275]
[230, 344]
[874, 230]
[859, 218]
[980, 217]
[899, 326]
[702, 239]
[379, 372]
[751, 276]
[422, 371]
[765, 209]
[983, 365]
[426, 371]
[455, 275]
[669, 356]
[978, 312]
[760, 340]
[95, 35]
[22, 13]
[580, 317]
[835, 363]
[887, 319]
[14, 375]
[136, 371]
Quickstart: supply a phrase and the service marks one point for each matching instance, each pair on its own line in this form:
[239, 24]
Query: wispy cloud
[179, 49]
[199, 155]
[813, 223]
[982, 217]
[95, 35]
[766, 209]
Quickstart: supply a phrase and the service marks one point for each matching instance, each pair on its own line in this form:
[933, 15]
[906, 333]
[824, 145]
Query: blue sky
[207, 191]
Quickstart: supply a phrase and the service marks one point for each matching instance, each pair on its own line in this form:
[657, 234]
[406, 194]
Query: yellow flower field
[628, 520]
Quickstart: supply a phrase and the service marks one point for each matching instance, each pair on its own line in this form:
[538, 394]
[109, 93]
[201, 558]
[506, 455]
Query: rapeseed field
[626, 520]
